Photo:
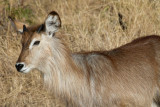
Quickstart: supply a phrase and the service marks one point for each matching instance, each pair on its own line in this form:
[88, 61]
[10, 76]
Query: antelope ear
[24, 29]
[52, 23]
[18, 26]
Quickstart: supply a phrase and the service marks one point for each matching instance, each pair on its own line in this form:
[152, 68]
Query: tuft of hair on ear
[25, 28]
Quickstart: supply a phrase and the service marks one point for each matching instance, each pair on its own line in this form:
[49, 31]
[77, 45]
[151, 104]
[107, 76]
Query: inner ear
[52, 23]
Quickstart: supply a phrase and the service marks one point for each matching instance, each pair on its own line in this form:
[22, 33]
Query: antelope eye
[36, 43]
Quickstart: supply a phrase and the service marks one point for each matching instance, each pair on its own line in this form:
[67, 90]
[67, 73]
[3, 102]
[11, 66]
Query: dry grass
[87, 24]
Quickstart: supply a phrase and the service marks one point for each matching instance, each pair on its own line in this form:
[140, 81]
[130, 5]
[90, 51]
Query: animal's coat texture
[128, 76]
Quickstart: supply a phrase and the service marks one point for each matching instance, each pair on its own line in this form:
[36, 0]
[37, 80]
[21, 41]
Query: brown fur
[128, 76]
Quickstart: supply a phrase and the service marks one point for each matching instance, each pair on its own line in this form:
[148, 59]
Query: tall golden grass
[88, 25]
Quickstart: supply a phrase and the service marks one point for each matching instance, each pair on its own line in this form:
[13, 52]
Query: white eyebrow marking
[31, 44]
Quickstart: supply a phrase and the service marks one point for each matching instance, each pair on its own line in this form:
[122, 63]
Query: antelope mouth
[25, 70]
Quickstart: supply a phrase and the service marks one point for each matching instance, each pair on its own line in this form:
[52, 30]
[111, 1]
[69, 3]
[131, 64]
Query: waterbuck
[128, 76]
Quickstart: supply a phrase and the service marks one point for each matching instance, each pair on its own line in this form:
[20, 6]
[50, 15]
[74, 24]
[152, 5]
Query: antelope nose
[19, 66]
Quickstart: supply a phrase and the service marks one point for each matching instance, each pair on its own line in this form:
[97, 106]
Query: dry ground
[87, 24]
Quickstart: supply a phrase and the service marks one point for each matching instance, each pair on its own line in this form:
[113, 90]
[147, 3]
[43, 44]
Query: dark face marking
[26, 40]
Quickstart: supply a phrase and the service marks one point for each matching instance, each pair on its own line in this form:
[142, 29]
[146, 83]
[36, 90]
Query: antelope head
[36, 45]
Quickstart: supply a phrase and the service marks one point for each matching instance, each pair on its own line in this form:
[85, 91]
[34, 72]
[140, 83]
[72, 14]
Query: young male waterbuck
[128, 76]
